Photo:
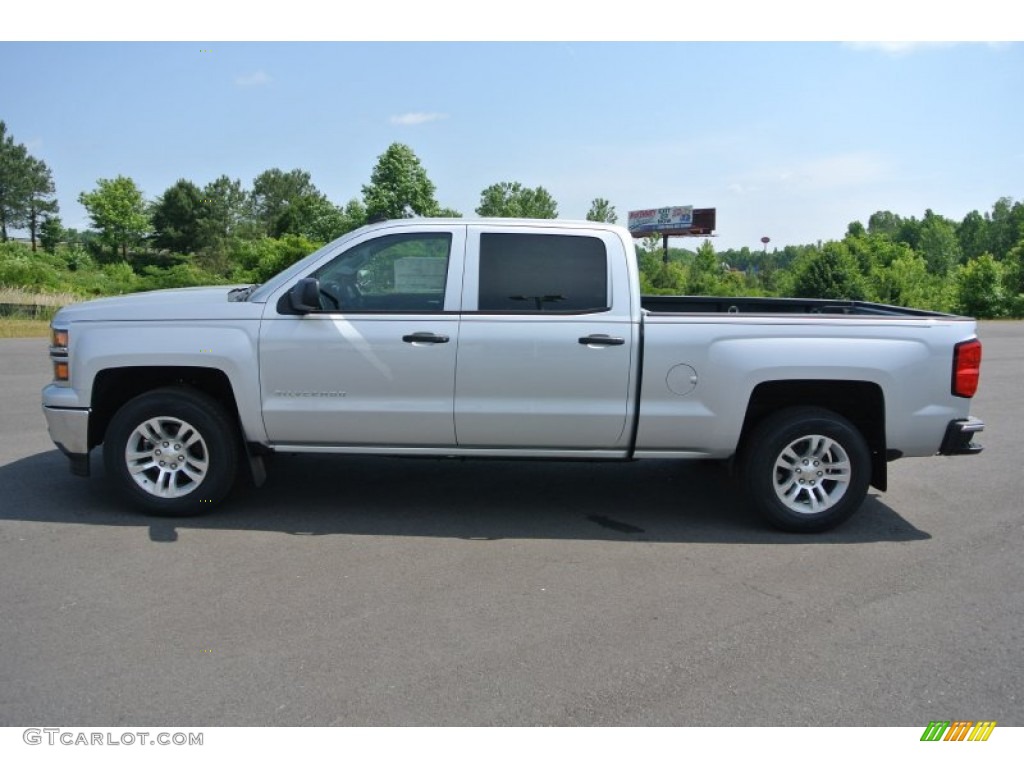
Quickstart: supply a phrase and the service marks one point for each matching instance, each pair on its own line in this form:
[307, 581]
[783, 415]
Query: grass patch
[17, 303]
[23, 327]
[14, 295]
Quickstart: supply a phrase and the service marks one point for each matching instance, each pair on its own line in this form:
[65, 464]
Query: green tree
[972, 234]
[399, 187]
[51, 233]
[254, 261]
[224, 211]
[904, 281]
[651, 243]
[909, 232]
[14, 160]
[510, 199]
[706, 272]
[118, 210]
[354, 214]
[39, 195]
[1013, 277]
[884, 223]
[225, 216]
[830, 272]
[938, 243]
[767, 269]
[314, 217]
[1006, 226]
[872, 251]
[26, 189]
[602, 210]
[274, 191]
[659, 277]
[979, 287]
[176, 217]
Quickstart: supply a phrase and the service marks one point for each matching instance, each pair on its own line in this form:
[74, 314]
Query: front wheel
[172, 451]
[806, 469]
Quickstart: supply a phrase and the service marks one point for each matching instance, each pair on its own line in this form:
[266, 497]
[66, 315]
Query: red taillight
[966, 368]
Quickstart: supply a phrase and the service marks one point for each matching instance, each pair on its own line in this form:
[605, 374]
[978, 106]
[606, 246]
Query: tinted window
[394, 273]
[542, 273]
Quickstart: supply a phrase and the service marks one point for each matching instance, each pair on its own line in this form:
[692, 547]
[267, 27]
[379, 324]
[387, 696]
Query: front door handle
[601, 340]
[424, 337]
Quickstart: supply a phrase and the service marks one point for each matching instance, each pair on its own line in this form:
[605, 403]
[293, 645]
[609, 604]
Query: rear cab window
[535, 273]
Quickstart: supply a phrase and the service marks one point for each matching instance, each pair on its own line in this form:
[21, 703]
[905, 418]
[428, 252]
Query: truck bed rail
[761, 305]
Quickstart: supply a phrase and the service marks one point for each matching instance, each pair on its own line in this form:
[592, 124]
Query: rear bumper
[69, 430]
[959, 438]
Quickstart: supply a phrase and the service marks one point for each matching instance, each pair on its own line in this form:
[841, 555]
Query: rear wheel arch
[862, 403]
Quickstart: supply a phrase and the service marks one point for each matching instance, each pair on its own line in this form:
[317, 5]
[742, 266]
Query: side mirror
[304, 296]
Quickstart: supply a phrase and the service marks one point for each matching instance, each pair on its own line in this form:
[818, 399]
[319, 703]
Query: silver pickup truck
[504, 338]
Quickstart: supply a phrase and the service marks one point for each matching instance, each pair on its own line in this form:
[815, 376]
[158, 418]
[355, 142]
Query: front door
[375, 366]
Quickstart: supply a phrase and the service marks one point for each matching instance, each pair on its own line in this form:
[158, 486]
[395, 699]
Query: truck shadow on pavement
[484, 500]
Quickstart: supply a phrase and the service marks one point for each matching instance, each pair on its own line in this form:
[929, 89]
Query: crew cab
[504, 338]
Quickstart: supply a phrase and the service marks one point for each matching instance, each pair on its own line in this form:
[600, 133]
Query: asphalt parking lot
[356, 591]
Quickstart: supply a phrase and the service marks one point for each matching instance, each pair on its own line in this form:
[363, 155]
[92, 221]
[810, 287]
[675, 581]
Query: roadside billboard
[677, 220]
[661, 220]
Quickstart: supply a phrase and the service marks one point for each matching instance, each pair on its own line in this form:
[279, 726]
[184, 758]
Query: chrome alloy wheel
[812, 474]
[167, 457]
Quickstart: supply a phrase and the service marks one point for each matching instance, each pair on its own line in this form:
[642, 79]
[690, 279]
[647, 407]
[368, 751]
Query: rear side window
[542, 273]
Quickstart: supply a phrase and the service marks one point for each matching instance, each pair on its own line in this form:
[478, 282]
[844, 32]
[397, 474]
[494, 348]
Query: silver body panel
[909, 359]
[505, 385]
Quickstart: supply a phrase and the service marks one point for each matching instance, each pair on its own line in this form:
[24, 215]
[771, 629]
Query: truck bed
[676, 305]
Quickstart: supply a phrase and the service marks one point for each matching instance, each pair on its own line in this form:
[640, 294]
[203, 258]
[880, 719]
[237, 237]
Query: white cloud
[252, 80]
[847, 170]
[898, 47]
[417, 118]
[742, 189]
[842, 171]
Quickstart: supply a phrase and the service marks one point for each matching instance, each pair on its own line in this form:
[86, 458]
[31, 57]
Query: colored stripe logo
[958, 730]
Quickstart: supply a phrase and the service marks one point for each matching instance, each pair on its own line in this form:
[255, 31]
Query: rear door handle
[424, 337]
[602, 340]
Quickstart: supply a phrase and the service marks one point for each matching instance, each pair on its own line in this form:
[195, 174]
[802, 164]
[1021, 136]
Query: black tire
[806, 469]
[195, 477]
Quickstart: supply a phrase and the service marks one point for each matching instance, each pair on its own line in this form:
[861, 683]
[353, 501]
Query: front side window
[394, 273]
[530, 273]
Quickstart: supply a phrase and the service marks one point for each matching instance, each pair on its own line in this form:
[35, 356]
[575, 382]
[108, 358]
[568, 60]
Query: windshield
[261, 294]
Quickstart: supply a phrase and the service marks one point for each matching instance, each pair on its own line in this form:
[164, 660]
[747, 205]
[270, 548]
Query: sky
[790, 140]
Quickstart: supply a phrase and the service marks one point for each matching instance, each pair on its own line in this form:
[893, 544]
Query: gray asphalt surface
[353, 591]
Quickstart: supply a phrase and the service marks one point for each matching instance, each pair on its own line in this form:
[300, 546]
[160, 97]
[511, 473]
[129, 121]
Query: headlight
[59, 355]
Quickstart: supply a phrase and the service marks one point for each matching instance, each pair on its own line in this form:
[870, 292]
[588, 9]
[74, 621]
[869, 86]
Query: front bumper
[69, 430]
[959, 438]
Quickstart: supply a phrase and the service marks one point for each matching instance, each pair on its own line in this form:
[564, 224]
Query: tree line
[225, 232]
[974, 266]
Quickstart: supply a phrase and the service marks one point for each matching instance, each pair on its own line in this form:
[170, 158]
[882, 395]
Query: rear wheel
[806, 469]
[172, 451]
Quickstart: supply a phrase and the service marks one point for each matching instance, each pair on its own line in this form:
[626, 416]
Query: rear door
[544, 358]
